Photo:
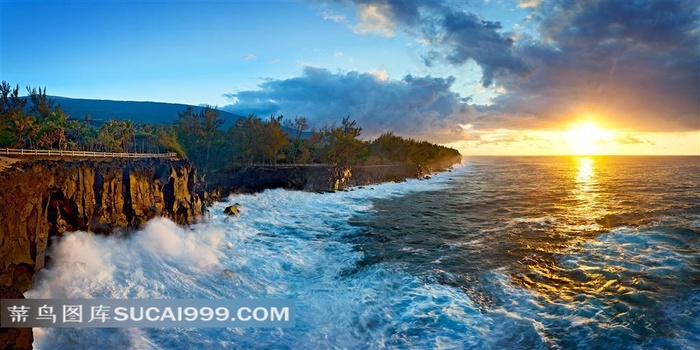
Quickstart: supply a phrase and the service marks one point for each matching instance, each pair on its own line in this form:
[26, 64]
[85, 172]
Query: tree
[297, 150]
[198, 132]
[126, 134]
[42, 106]
[11, 105]
[108, 139]
[167, 138]
[253, 140]
[52, 130]
[274, 140]
[344, 147]
[24, 128]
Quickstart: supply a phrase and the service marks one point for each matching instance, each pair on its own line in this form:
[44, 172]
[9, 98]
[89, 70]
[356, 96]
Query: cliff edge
[317, 177]
[43, 199]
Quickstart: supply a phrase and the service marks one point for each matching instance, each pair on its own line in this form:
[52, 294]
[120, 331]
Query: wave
[635, 284]
[285, 244]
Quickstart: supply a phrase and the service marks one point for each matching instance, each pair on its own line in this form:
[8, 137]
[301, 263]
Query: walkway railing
[49, 152]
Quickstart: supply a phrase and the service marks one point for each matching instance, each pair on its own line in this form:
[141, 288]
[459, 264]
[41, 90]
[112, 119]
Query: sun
[587, 138]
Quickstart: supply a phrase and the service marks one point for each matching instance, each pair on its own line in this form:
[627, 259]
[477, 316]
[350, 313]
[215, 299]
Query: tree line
[200, 136]
[36, 122]
[253, 140]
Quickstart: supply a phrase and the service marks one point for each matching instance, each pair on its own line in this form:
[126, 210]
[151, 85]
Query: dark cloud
[636, 63]
[456, 36]
[466, 36]
[414, 106]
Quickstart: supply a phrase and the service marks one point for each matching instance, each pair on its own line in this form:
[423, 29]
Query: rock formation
[232, 210]
[42, 199]
[317, 178]
[14, 338]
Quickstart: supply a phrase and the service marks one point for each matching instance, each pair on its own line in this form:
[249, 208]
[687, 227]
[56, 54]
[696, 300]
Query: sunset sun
[587, 138]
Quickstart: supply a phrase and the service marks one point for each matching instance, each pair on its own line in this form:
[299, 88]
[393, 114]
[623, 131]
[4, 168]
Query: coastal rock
[232, 210]
[43, 199]
[14, 338]
[318, 178]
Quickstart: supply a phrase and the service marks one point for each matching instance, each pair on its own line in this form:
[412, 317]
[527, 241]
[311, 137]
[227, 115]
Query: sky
[488, 77]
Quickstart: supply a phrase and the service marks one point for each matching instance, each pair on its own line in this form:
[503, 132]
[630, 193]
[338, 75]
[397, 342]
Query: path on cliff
[62, 153]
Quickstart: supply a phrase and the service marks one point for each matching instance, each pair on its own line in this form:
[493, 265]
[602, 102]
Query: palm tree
[22, 125]
[126, 134]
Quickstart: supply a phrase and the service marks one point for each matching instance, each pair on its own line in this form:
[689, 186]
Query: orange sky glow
[578, 138]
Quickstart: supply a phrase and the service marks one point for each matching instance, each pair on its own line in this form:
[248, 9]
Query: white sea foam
[285, 244]
[291, 245]
[90, 266]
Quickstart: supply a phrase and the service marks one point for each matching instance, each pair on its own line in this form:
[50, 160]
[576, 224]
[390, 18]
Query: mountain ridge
[137, 111]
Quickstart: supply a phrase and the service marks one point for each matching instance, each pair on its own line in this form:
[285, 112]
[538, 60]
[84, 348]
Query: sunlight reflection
[586, 182]
[584, 203]
[545, 274]
[586, 171]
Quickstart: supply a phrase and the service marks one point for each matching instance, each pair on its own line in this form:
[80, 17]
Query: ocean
[498, 253]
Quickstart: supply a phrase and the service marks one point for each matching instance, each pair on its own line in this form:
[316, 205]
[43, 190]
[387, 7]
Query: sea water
[503, 252]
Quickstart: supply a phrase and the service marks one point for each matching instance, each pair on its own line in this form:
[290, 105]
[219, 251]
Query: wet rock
[316, 178]
[43, 199]
[232, 210]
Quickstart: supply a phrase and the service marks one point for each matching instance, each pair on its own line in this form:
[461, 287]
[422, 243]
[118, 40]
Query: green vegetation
[199, 137]
[273, 141]
[44, 125]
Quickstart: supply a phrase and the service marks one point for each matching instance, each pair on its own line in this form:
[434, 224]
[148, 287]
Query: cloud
[380, 74]
[467, 37]
[529, 3]
[630, 140]
[498, 141]
[249, 56]
[534, 138]
[456, 36]
[328, 16]
[373, 19]
[631, 64]
[414, 106]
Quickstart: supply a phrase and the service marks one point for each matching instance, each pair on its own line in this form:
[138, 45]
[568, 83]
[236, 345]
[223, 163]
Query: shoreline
[315, 177]
[106, 196]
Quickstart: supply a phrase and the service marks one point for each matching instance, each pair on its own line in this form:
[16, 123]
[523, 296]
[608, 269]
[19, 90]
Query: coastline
[42, 199]
[316, 177]
[45, 198]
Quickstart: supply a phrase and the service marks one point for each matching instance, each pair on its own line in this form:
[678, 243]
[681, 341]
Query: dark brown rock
[41, 199]
[232, 210]
[14, 338]
[317, 178]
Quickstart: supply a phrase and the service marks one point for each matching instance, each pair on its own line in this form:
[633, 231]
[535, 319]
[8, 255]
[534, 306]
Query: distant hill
[138, 112]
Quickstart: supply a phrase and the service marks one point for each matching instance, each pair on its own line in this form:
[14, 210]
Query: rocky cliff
[317, 177]
[42, 199]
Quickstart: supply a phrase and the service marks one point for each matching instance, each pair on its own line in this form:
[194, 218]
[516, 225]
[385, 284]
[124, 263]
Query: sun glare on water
[587, 138]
